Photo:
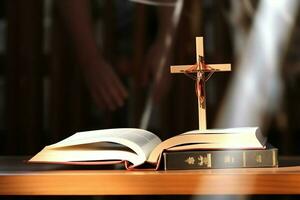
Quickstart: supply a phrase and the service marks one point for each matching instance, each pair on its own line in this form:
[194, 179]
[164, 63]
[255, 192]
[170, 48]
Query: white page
[140, 141]
[243, 137]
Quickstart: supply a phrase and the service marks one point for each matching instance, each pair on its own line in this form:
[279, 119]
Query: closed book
[214, 159]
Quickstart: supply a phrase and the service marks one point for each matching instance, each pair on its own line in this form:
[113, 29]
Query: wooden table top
[19, 178]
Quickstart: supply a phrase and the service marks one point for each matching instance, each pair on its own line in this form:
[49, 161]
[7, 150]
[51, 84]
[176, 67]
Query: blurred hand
[106, 88]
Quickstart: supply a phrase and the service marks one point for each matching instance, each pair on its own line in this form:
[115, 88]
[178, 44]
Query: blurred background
[69, 66]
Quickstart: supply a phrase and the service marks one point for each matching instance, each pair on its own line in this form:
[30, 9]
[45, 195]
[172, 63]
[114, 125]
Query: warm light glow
[256, 87]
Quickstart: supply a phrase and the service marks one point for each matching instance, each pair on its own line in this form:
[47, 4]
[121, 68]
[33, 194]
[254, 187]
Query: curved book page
[233, 138]
[123, 144]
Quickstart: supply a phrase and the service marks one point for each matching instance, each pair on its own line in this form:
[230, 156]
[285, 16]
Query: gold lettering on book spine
[258, 158]
[190, 161]
[204, 160]
[229, 159]
[209, 160]
[275, 162]
[244, 159]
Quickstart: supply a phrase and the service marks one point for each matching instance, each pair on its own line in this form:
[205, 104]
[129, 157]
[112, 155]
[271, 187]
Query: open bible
[134, 147]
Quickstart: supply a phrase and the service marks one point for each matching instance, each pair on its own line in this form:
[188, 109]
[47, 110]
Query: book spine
[184, 160]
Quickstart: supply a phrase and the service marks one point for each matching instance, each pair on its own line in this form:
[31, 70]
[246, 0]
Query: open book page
[129, 144]
[238, 130]
[234, 138]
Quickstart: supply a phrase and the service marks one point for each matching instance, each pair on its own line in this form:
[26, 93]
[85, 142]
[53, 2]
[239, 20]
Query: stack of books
[248, 148]
[137, 148]
[218, 159]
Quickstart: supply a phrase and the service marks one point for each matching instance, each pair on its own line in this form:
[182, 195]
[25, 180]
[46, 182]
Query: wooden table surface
[19, 178]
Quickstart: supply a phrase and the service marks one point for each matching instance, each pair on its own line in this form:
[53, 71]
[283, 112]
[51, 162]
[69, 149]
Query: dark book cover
[214, 159]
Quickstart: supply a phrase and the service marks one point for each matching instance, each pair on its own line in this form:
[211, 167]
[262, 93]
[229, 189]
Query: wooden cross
[200, 68]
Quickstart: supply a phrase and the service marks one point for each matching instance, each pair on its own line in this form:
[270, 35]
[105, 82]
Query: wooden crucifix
[200, 68]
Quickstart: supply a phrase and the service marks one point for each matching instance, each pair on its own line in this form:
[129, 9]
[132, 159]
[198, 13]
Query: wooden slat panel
[68, 105]
[24, 76]
[138, 95]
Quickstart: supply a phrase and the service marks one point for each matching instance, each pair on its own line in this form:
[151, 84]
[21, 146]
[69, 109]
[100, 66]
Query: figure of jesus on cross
[200, 68]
